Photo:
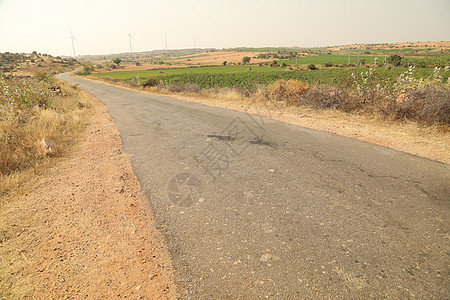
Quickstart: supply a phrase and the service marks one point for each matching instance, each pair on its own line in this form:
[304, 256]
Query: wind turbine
[73, 45]
[130, 38]
[165, 39]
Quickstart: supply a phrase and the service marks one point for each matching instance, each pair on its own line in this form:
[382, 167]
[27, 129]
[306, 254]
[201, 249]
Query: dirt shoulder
[84, 230]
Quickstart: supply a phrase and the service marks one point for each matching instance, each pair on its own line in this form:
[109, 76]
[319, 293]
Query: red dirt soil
[85, 230]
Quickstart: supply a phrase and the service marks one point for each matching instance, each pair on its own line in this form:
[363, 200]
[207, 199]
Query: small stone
[138, 287]
[265, 257]
[48, 146]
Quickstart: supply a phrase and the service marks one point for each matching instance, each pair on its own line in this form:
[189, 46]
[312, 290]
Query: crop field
[334, 59]
[127, 75]
[251, 77]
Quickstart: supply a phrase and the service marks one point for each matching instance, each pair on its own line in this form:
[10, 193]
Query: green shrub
[395, 60]
[312, 67]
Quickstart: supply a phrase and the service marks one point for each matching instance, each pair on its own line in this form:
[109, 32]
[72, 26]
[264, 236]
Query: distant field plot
[187, 57]
[390, 51]
[334, 59]
[434, 61]
[267, 49]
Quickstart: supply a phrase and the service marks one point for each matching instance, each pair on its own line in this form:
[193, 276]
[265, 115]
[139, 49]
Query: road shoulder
[85, 230]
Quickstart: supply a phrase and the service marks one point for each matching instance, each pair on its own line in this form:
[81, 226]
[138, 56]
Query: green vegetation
[127, 75]
[246, 59]
[334, 59]
[395, 60]
[117, 61]
[427, 62]
[242, 77]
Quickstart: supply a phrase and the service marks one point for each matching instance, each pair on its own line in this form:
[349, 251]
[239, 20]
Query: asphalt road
[253, 208]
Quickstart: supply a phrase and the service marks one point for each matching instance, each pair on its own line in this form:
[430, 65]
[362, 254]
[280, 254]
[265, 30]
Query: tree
[117, 60]
[246, 59]
[225, 63]
[395, 60]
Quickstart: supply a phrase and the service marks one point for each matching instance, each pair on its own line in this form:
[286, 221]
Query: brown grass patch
[289, 91]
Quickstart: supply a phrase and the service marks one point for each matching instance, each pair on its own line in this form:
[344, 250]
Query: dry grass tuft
[289, 91]
[429, 105]
[60, 118]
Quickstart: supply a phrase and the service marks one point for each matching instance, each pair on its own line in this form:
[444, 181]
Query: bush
[430, 105]
[151, 81]
[25, 92]
[43, 76]
[335, 98]
[328, 64]
[184, 88]
[289, 91]
[395, 60]
[312, 67]
[87, 70]
[117, 61]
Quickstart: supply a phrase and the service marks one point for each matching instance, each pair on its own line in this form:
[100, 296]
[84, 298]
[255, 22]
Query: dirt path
[85, 231]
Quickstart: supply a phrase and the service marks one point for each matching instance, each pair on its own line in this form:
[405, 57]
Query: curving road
[253, 208]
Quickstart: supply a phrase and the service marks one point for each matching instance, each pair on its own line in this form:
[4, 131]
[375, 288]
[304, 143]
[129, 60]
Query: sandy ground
[432, 45]
[84, 230]
[217, 58]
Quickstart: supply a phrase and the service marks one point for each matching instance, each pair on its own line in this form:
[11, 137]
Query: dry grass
[21, 131]
[290, 91]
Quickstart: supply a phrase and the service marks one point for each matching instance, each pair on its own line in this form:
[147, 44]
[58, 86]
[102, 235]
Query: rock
[48, 146]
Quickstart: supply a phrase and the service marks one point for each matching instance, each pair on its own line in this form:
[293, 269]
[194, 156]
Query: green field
[335, 59]
[251, 77]
[127, 75]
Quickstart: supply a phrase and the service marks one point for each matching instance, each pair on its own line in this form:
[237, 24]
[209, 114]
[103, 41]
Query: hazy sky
[102, 26]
